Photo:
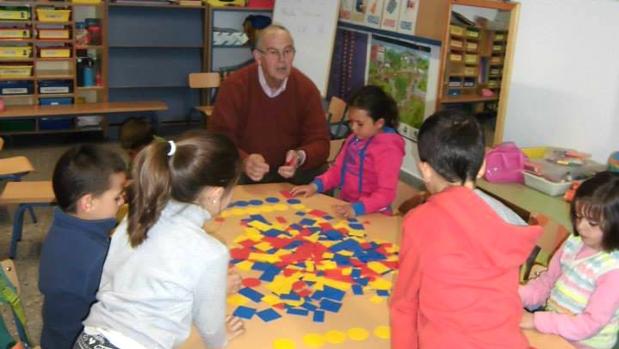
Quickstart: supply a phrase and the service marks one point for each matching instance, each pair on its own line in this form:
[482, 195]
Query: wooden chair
[335, 117]
[210, 82]
[26, 195]
[335, 146]
[553, 236]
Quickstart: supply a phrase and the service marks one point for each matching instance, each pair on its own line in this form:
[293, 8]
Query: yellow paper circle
[382, 332]
[313, 340]
[335, 337]
[358, 334]
[283, 343]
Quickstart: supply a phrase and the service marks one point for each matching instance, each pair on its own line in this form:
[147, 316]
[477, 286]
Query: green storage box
[17, 125]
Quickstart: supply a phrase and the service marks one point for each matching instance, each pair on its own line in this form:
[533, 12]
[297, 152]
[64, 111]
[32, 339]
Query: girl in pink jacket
[368, 165]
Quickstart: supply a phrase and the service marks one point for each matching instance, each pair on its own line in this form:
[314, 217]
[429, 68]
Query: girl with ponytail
[163, 271]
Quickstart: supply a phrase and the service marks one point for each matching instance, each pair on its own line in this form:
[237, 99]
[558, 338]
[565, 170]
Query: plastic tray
[15, 71]
[53, 15]
[15, 51]
[55, 52]
[14, 33]
[15, 14]
[546, 186]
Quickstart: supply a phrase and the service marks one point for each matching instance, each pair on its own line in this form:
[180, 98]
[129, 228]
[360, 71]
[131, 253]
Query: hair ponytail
[179, 171]
[150, 190]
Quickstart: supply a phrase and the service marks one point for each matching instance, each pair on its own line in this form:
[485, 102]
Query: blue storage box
[14, 88]
[56, 101]
[55, 86]
[55, 123]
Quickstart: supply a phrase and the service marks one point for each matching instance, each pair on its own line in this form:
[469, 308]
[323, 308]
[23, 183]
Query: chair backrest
[1, 143]
[335, 146]
[204, 80]
[553, 236]
[336, 110]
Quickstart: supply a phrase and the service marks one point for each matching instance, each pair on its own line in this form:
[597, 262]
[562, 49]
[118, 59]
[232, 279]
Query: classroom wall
[565, 82]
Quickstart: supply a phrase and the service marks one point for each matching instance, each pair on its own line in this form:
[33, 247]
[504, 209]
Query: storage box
[53, 33]
[55, 52]
[86, 1]
[546, 186]
[55, 86]
[15, 71]
[455, 30]
[14, 33]
[51, 15]
[22, 125]
[15, 88]
[55, 123]
[15, 51]
[18, 13]
[56, 101]
[470, 59]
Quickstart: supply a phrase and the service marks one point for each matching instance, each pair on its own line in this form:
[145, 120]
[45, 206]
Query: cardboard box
[408, 16]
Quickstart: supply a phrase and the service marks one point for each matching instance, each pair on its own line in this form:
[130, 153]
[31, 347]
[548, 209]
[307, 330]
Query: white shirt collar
[266, 88]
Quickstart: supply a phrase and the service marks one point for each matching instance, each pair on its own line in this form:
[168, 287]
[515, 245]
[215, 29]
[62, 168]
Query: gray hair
[269, 29]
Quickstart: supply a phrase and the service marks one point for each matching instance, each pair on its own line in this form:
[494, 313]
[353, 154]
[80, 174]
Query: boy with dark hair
[135, 134]
[459, 260]
[88, 183]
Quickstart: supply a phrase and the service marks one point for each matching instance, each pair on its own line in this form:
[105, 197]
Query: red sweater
[272, 126]
[458, 280]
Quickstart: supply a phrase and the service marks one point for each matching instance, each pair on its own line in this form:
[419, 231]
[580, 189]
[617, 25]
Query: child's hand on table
[527, 322]
[234, 282]
[305, 190]
[344, 210]
[234, 327]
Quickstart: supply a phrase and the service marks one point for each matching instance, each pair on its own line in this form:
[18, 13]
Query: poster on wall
[408, 16]
[358, 11]
[346, 9]
[373, 13]
[391, 13]
[408, 72]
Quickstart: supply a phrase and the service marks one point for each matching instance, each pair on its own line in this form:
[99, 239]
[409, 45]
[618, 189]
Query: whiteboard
[312, 24]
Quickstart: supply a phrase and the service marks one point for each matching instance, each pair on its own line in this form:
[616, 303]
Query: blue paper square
[330, 305]
[297, 311]
[251, 294]
[319, 316]
[244, 312]
[268, 315]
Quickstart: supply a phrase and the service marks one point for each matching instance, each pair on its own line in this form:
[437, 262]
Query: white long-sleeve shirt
[177, 276]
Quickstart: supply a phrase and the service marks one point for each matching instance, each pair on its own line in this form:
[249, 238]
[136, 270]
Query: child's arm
[535, 293]
[602, 305]
[209, 308]
[404, 301]
[387, 166]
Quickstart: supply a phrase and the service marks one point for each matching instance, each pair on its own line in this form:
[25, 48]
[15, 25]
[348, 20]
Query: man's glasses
[277, 54]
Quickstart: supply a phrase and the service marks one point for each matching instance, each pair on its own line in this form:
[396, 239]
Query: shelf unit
[152, 50]
[51, 60]
[223, 57]
[476, 60]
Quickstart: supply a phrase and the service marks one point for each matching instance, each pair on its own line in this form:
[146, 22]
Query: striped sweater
[577, 282]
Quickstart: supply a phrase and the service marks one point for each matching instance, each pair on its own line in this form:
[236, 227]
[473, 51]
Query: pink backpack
[504, 164]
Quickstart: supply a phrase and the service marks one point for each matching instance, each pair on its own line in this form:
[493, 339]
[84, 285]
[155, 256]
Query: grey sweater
[176, 277]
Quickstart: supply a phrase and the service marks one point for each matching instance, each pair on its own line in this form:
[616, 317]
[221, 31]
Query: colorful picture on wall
[402, 69]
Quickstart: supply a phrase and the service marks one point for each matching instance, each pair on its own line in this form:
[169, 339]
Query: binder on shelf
[346, 9]
[408, 16]
[391, 14]
[374, 13]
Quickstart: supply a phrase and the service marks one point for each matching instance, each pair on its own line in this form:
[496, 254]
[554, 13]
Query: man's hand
[255, 167]
[344, 211]
[292, 163]
[305, 190]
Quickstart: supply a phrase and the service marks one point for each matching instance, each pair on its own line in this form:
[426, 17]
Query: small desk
[525, 200]
[357, 311]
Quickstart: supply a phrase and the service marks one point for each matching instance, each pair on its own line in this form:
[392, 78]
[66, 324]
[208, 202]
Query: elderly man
[273, 113]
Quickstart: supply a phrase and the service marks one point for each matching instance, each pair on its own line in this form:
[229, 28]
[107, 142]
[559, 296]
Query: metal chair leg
[18, 223]
[34, 217]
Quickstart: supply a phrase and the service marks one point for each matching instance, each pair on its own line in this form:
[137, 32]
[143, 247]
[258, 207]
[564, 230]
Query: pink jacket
[367, 171]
